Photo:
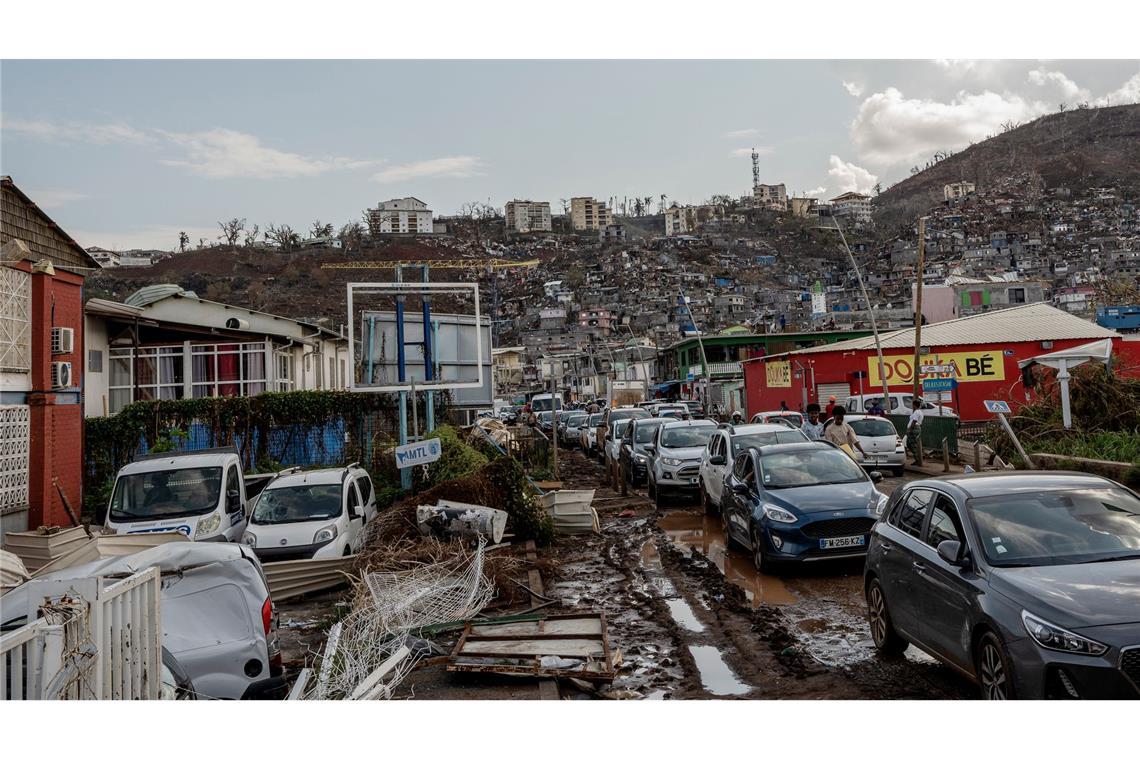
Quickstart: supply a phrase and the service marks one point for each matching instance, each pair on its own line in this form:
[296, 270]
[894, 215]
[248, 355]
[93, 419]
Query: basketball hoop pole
[401, 374]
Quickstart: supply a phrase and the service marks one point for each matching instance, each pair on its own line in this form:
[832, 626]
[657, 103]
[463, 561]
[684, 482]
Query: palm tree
[183, 241]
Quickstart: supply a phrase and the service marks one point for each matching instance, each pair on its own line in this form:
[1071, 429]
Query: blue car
[799, 502]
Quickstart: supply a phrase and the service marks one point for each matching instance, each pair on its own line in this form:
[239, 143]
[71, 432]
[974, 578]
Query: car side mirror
[876, 476]
[717, 460]
[951, 551]
[358, 511]
[650, 449]
[233, 501]
[740, 488]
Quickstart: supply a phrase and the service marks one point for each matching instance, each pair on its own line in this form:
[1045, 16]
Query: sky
[126, 154]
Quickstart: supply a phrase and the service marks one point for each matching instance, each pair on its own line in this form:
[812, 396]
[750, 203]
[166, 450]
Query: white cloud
[449, 166]
[51, 199]
[99, 134]
[225, 154]
[738, 134]
[849, 177]
[1057, 84]
[815, 192]
[1129, 92]
[890, 129]
[763, 150]
[853, 89]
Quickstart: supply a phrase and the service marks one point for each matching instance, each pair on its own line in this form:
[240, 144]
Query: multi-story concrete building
[401, 215]
[105, 257]
[589, 214]
[803, 207]
[854, 206]
[528, 216]
[771, 197]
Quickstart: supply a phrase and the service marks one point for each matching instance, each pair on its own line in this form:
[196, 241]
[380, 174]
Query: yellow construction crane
[436, 264]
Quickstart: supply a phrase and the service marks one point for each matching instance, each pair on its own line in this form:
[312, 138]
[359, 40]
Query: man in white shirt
[813, 425]
[914, 430]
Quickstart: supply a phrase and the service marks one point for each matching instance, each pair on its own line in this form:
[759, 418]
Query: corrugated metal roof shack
[984, 348]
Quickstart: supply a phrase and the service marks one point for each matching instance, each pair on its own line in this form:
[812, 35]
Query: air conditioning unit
[60, 375]
[62, 340]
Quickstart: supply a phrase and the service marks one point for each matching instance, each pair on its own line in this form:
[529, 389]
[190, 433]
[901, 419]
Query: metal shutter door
[840, 390]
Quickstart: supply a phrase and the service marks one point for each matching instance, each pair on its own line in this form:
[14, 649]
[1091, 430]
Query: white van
[545, 402]
[315, 514]
[900, 404]
[202, 495]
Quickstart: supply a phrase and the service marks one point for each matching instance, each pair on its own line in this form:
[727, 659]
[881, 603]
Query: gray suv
[1026, 582]
[675, 458]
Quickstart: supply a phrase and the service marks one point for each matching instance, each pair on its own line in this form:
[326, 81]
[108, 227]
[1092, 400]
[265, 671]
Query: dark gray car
[1027, 583]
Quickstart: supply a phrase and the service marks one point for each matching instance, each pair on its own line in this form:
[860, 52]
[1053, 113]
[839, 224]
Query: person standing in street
[876, 408]
[784, 406]
[842, 434]
[914, 429]
[813, 426]
[828, 413]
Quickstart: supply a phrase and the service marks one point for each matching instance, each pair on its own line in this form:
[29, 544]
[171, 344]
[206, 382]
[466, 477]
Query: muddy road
[694, 620]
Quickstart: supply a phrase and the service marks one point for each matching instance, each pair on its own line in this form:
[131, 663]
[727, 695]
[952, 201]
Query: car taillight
[267, 615]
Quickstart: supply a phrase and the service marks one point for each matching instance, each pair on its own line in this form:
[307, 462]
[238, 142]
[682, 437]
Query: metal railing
[94, 641]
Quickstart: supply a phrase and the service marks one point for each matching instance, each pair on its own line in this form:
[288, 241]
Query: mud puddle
[716, 677]
[704, 533]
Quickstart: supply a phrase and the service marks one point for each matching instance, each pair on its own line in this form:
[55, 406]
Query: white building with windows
[106, 258]
[770, 197]
[167, 343]
[854, 206]
[589, 214]
[401, 216]
[528, 216]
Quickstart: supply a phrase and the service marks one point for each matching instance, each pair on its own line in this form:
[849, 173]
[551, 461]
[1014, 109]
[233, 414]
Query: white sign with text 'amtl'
[420, 452]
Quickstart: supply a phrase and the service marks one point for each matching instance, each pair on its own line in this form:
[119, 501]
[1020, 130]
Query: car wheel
[658, 498]
[706, 502]
[730, 543]
[624, 484]
[759, 559]
[649, 487]
[883, 633]
[995, 677]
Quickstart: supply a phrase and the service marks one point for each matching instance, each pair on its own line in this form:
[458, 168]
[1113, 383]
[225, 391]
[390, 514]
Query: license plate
[841, 543]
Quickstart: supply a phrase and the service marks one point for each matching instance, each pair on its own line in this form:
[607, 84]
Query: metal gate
[15, 434]
[824, 390]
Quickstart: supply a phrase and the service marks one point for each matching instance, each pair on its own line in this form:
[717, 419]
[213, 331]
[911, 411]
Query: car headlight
[778, 514]
[640, 458]
[325, 534]
[249, 539]
[881, 504]
[207, 525]
[672, 462]
[1054, 637]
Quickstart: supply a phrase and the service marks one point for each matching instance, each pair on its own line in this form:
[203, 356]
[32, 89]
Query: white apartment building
[528, 216]
[854, 206]
[956, 190]
[771, 197]
[401, 215]
[589, 214]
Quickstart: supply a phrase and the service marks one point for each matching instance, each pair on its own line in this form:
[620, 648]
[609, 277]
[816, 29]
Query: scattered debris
[12, 571]
[574, 645]
[37, 548]
[305, 576]
[571, 511]
[456, 519]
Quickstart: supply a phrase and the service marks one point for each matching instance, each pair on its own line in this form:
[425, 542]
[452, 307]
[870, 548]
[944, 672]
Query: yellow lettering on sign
[779, 374]
[969, 367]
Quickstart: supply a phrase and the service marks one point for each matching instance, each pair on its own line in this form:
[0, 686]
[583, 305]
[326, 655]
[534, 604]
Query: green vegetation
[457, 460]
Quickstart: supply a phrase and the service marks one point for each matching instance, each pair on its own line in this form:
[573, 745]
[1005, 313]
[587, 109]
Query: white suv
[314, 514]
[723, 447]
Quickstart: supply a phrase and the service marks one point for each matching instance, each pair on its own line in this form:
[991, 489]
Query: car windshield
[873, 428]
[793, 418]
[627, 414]
[297, 504]
[811, 467]
[1058, 527]
[168, 493]
[594, 420]
[685, 437]
[619, 428]
[644, 433]
[743, 442]
[543, 404]
[575, 420]
[546, 416]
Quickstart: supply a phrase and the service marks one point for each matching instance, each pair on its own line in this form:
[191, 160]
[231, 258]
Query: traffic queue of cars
[1026, 583]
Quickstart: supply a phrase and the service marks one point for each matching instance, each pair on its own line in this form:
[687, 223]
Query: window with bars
[228, 369]
[15, 320]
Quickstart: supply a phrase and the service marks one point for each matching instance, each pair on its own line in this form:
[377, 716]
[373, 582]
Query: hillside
[1082, 148]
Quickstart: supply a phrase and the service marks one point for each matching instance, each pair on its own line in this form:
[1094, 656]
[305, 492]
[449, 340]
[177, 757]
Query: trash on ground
[293, 578]
[571, 511]
[12, 571]
[107, 545]
[37, 548]
[456, 519]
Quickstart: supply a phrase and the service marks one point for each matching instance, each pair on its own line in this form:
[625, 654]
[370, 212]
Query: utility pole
[555, 406]
[700, 343]
[918, 305]
[871, 311]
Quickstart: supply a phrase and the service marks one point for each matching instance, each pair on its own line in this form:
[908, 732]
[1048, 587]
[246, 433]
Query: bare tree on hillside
[477, 214]
[319, 230]
[352, 235]
[372, 223]
[183, 241]
[283, 236]
[231, 230]
[251, 235]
